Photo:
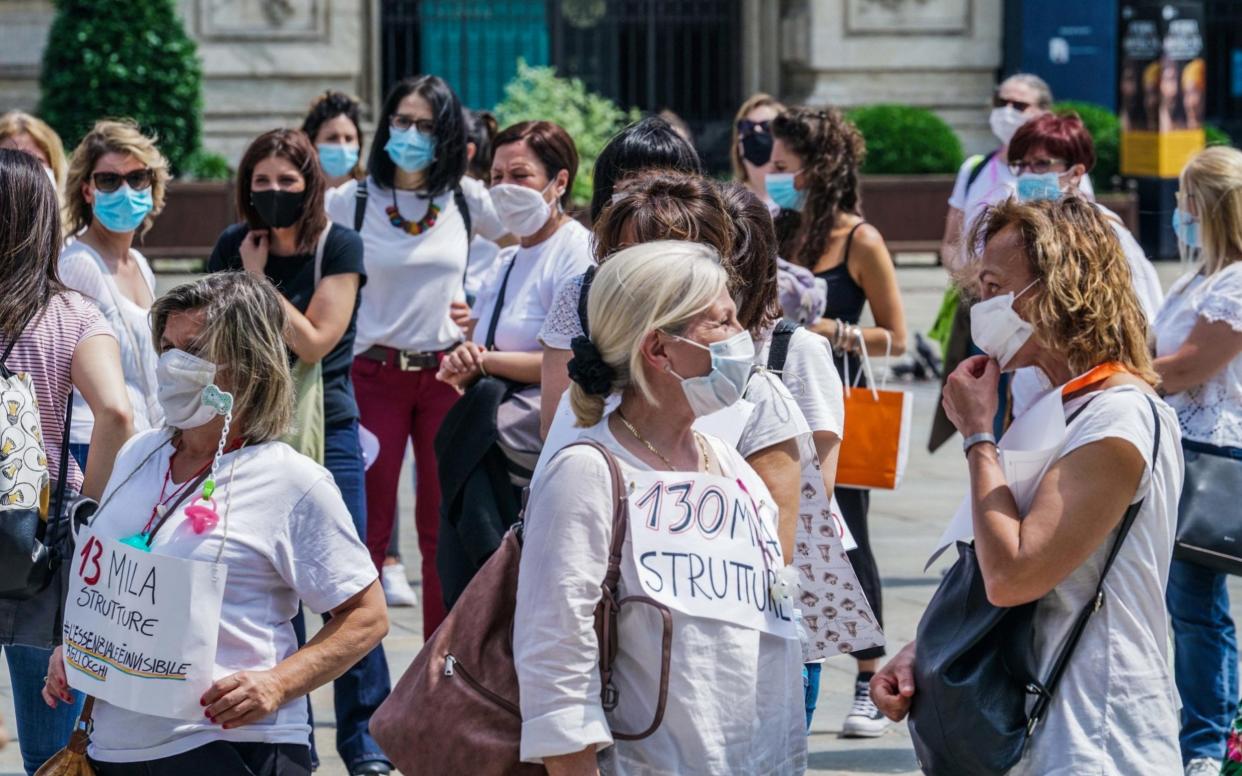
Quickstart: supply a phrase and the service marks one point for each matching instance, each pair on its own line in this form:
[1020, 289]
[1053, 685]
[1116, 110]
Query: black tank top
[846, 299]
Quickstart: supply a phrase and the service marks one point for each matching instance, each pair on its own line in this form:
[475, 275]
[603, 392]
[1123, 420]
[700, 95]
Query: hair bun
[588, 369]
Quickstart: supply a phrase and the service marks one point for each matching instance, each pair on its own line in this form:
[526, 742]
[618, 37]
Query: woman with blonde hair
[1199, 358]
[751, 150]
[215, 484]
[22, 132]
[1055, 292]
[660, 317]
[115, 189]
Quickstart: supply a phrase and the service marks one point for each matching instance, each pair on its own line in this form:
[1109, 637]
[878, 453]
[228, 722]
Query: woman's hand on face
[254, 251]
[56, 686]
[970, 398]
[892, 687]
[243, 698]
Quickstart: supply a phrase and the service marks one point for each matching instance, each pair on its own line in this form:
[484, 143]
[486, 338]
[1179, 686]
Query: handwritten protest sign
[140, 628]
[703, 548]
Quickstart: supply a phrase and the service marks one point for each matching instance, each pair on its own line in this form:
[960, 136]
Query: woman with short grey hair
[217, 485]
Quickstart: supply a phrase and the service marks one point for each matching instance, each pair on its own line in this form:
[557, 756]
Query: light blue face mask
[410, 149]
[1034, 187]
[781, 189]
[122, 210]
[337, 160]
[1186, 227]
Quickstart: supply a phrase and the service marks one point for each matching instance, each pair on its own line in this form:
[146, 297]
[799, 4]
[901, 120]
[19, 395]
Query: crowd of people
[685, 339]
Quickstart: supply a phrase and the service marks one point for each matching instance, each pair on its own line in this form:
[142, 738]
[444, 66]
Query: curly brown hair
[832, 152]
[1085, 307]
[663, 205]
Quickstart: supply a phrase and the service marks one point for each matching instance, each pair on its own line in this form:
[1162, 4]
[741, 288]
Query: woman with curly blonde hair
[1055, 292]
[115, 189]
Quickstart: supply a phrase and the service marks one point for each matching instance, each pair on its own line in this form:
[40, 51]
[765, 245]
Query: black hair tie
[588, 369]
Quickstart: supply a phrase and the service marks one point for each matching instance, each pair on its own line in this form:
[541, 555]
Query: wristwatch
[974, 439]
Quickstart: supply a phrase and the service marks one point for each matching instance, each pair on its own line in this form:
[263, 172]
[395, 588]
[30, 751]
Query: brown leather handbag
[456, 710]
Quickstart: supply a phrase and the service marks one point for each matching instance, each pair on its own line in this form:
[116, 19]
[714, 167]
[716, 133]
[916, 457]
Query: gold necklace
[630, 427]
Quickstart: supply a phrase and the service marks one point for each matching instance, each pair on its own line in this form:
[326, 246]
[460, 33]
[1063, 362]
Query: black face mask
[278, 209]
[757, 148]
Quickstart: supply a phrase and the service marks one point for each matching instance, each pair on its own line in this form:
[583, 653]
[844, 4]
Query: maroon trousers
[396, 406]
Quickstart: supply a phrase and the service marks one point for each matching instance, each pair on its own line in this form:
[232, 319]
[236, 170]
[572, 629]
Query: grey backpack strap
[360, 204]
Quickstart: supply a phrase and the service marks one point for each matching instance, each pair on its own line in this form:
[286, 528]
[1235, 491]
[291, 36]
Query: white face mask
[997, 329]
[723, 385]
[187, 390]
[523, 211]
[51, 175]
[1005, 122]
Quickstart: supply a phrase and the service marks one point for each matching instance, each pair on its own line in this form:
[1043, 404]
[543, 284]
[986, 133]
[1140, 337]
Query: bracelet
[977, 439]
[482, 371]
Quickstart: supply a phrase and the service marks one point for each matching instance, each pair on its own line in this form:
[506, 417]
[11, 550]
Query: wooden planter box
[194, 215]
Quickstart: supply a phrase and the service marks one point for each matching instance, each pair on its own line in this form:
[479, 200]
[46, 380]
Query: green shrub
[108, 59]
[206, 166]
[1105, 131]
[591, 120]
[1217, 136]
[904, 140]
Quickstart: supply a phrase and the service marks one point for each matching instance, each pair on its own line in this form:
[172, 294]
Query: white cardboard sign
[704, 547]
[140, 629]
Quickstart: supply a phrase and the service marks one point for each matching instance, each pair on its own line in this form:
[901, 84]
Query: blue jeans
[810, 689]
[41, 731]
[79, 451]
[360, 690]
[1205, 658]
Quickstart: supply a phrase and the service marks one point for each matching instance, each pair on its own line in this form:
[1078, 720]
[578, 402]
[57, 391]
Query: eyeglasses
[1018, 105]
[402, 123]
[1037, 166]
[109, 182]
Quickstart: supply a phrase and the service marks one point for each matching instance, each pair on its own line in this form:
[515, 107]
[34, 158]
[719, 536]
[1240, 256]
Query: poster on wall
[1162, 81]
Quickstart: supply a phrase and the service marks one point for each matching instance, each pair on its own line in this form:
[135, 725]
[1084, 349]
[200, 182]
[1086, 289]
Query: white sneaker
[397, 590]
[1203, 766]
[864, 719]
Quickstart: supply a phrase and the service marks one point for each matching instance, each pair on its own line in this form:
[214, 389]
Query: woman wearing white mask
[1051, 156]
[115, 189]
[216, 486]
[1199, 359]
[415, 210]
[334, 128]
[534, 165]
[658, 314]
[1055, 293]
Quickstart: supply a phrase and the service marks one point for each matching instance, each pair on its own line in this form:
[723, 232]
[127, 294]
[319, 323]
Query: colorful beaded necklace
[411, 227]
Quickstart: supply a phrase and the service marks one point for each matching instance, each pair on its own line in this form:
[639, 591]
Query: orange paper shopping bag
[876, 441]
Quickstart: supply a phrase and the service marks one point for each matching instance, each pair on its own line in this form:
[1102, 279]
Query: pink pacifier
[203, 518]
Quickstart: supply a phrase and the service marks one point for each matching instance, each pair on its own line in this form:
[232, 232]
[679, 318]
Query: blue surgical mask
[124, 209]
[410, 149]
[1034, 187]
[781, 189]
[724, 384]
[336, 159]
[1186, 227]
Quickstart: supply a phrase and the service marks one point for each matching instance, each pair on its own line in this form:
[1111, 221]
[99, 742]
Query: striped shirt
[45, 350]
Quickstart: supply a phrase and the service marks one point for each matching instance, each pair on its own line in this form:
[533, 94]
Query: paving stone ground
[904, 524]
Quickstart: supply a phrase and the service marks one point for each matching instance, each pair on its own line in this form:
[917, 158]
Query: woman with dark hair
[816, 155]
[285, 236]
[62, 342]
[335, 129]
[416, 211]
[647, 144]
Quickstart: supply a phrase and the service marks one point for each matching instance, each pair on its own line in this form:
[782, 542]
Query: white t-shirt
[1028, 383]
[563, 323]
[811, 378]
[412, 279]
[483, 254]
[1210, 412]
[538, 271]
[1115, 710]
[84, 271]
[735, 698]
[290, 538]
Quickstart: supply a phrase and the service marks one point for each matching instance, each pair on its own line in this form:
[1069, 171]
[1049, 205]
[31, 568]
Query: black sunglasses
[111, 181]
[747, 127]
[1018, 105]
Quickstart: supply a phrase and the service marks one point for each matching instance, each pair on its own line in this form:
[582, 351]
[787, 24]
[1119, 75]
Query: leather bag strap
[1045, 693]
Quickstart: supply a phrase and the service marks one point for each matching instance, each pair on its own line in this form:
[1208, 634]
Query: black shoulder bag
[975, 666]
[781, 335]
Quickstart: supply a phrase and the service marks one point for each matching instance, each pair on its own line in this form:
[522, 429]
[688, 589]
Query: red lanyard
[161, 507]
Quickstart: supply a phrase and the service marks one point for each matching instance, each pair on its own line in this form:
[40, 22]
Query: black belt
[405, 360]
